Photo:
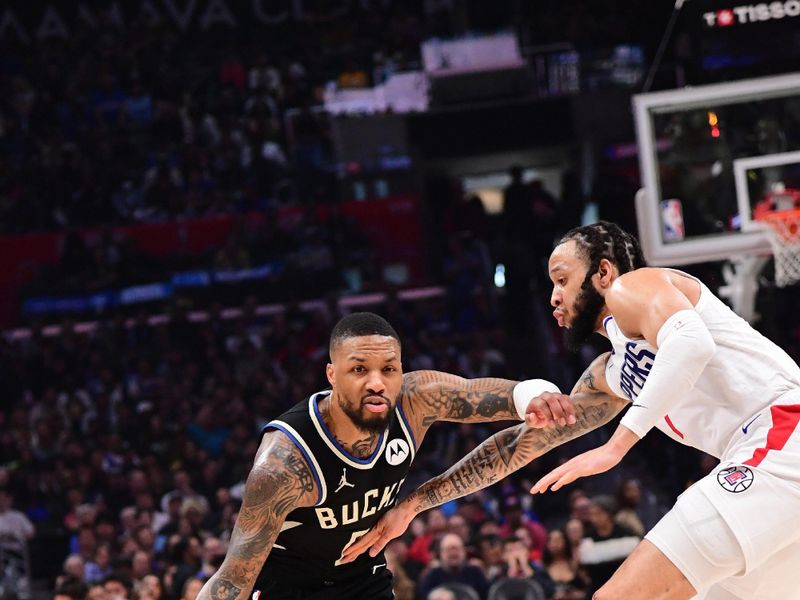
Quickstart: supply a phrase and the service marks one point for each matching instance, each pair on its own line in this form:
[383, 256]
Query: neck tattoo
[360, 448]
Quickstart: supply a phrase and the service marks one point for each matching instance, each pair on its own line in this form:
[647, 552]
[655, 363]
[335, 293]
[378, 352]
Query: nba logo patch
[735, 479]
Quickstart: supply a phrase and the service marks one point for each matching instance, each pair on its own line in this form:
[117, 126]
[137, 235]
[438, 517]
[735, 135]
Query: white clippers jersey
[747, 373]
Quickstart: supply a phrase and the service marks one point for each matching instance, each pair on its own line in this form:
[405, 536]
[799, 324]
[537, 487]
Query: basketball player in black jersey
[327, 469]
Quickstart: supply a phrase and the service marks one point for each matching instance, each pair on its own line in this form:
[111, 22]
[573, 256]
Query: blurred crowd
[98, 128]
[309, 256]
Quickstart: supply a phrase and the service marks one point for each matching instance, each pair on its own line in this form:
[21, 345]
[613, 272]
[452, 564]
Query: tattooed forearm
[279, 482]
[224, 589]
[431, 396]
[509, 450]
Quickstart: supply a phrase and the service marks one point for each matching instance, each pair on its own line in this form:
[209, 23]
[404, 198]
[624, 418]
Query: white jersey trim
[400, 416]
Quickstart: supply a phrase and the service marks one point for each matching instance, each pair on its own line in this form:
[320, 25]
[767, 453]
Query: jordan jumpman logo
[343, 481]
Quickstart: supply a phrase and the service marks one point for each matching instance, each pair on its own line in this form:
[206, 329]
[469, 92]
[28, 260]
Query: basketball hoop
[782, 228]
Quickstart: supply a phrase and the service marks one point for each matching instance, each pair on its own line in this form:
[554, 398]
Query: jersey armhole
[308, 455]
[407, 431]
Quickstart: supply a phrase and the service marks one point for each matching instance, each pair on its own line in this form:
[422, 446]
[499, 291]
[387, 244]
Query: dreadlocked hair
[607, 240]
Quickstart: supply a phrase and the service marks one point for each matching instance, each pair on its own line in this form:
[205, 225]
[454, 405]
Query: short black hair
[359, 324]
[72, 587]
[607, 240]
[119, 578]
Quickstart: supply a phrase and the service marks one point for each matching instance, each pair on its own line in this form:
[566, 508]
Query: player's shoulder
[280, 458]
[639, 286]
[415, 382]
[645, 275]
[277, 443]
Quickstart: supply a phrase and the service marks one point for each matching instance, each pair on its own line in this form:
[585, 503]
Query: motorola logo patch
[396, 451]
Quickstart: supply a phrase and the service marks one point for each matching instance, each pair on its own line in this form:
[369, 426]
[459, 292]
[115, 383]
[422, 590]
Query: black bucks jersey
[353, 494]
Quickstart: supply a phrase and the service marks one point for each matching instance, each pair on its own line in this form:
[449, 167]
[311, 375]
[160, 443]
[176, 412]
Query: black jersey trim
[298, 441]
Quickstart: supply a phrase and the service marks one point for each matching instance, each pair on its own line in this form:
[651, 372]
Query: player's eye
[389, 369]
[359, 369]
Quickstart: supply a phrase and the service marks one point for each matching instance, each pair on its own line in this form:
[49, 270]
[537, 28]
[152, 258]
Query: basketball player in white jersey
[695, 370]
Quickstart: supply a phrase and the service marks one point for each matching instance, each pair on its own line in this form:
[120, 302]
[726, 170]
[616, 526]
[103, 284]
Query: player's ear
[329, 373]
[605, 273]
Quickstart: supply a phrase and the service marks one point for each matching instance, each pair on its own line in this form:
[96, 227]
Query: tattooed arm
[499, 456]
[279, 481]
[513, 448]
[430, 396]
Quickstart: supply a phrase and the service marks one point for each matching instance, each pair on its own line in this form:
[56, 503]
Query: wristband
[527, 390]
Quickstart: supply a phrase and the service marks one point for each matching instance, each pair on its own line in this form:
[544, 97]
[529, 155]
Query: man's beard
[587, 309]
[375, 424]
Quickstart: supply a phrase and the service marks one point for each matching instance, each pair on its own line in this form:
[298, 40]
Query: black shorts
[369, 587]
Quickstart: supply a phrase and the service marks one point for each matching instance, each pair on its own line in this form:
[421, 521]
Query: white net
[782, 228]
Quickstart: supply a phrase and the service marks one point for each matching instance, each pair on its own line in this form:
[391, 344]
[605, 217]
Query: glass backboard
[690, 140]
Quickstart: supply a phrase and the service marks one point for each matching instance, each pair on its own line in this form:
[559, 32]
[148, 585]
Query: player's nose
[375, 382]
[555, 298]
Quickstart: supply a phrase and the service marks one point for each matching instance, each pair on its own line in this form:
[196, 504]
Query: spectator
[150, 588]
[100, 566]
[562, 567]
[574, 530]
[606, 544]
[458, 525]
[519, 566]
[183, 489]
[453, 568]
[117, 587]
[490, 548]
[97, 592]
[514, 518]
[420, 549]
[441, 593]
[396, 561]
[213, 554]
[185, 561]
[74, 567]
[140, 566]
[13, 522]
[629, 495]
[191, 587]
[70, 588]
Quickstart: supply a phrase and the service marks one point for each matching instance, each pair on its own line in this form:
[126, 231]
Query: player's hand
[548, 410]
[592, 462]
[391, 525]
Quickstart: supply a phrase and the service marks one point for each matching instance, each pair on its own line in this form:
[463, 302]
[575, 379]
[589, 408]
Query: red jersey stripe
[784, 422]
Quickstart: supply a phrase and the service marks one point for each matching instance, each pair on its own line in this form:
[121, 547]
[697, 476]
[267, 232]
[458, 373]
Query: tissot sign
[751, 13]
[735, 39]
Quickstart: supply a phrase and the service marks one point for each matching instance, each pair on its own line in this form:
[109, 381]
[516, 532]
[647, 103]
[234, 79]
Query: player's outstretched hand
[592, 462]
[548, 410]
[391, 525]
